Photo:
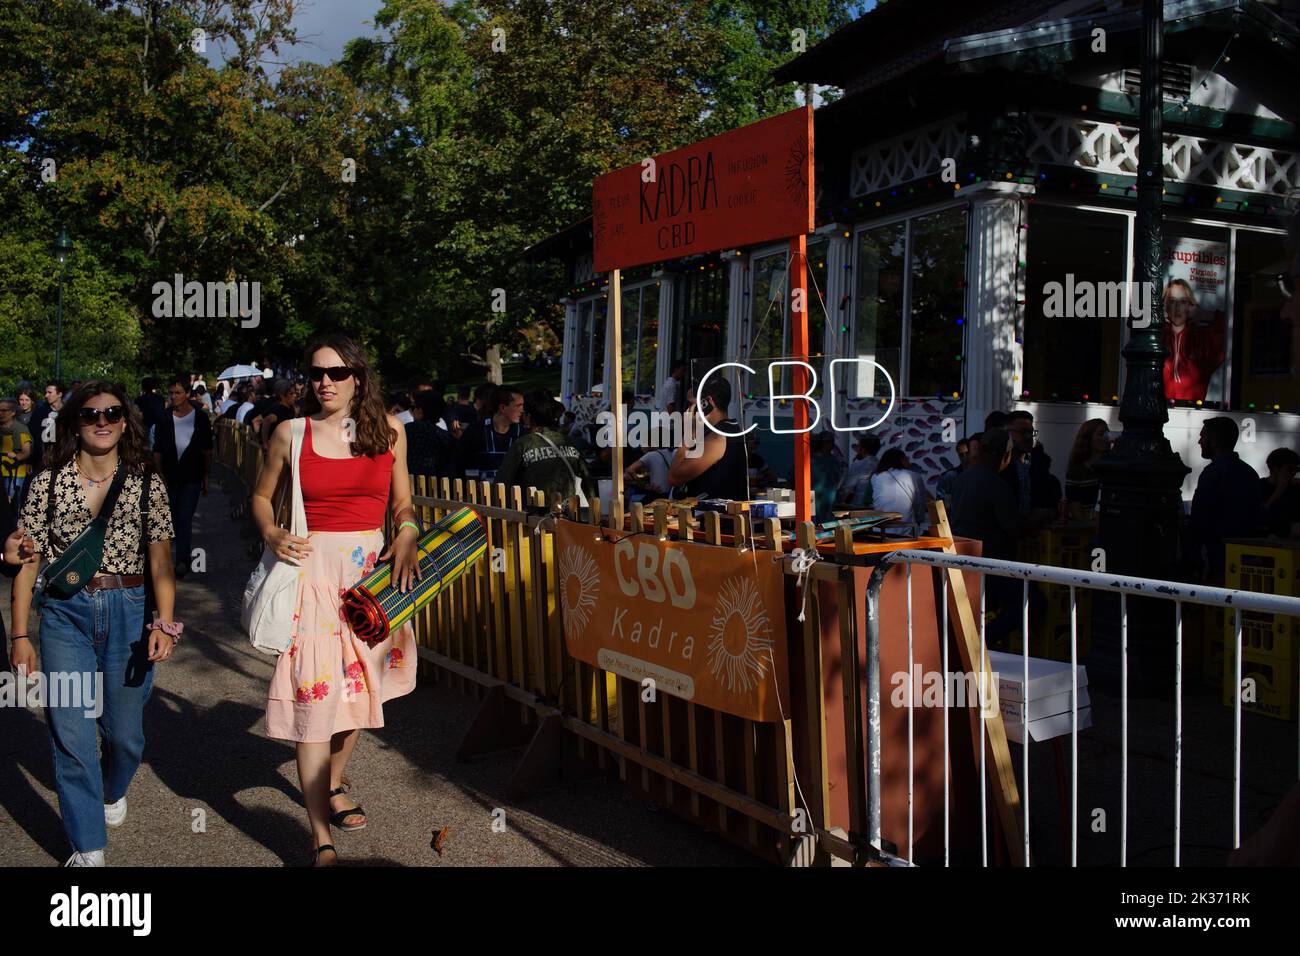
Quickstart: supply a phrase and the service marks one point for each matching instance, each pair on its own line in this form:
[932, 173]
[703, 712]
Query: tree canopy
[388, 195]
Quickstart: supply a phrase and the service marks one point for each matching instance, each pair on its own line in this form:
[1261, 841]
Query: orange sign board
[705, 623]
[750, 185]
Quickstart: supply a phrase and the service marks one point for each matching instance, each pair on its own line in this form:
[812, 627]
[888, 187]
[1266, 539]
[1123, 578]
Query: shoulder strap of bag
[110, 500]
[577, 485]
[559, 454]
[145, 488]
[49, 504]
[298, 522]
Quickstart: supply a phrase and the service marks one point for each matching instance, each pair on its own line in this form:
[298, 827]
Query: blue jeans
[95, 632]
[184, 499]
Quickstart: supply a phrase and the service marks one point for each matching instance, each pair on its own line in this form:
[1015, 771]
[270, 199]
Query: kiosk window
[1266, 345]
[1071, 338]
[878, 326]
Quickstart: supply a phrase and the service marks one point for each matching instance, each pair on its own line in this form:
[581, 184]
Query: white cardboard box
[1046, 678]
[1048, 706]
[1046, 728]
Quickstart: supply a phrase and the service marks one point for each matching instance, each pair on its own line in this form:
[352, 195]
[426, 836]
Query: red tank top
[344, 494]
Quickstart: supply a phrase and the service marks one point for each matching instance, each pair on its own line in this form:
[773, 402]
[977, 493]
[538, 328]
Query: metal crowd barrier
[1124, 586]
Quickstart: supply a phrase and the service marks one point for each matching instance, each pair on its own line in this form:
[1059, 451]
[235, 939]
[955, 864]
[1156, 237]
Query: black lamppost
[62, 250]
[1141, 478]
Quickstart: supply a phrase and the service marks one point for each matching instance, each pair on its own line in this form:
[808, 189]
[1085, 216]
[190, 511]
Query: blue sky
[325, 25]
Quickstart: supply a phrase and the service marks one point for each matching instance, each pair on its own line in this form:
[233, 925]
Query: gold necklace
[94, 482]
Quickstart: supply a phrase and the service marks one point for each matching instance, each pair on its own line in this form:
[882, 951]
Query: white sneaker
[115, 813]
[93, 858]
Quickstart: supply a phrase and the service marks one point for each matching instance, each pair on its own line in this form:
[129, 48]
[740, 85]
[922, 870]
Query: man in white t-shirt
[668, 396]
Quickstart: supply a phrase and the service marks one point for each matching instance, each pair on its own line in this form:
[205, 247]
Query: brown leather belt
[105, 582]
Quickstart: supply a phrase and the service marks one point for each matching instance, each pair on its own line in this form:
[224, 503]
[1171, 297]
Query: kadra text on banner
[705, 624]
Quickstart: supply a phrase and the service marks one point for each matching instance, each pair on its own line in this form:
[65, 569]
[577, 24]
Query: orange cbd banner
[706, 624]
[749, 185]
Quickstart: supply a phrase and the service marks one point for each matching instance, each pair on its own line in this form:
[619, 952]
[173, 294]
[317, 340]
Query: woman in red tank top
[330, 683]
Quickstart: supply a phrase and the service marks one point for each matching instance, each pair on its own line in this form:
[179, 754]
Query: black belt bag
[82, 559]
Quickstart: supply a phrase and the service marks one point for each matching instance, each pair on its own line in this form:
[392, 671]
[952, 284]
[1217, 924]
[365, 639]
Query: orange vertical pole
[799, 345]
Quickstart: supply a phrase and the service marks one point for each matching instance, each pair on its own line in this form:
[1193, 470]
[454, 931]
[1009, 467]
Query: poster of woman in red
[1195, 281]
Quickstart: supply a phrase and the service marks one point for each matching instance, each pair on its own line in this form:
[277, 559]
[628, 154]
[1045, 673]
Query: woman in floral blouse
[330, 684]
[101, 629]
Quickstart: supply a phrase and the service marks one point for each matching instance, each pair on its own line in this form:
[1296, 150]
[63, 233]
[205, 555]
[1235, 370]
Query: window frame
[905, 334]
[639, 288]
[1172, 218]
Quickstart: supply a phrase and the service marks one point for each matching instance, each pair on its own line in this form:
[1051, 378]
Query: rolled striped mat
[374, 606]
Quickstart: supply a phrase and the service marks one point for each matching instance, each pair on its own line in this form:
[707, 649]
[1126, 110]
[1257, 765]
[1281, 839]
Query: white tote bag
[272, 589]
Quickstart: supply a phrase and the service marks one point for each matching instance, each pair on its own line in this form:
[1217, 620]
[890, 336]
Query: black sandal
[321, 849]
[336, 819]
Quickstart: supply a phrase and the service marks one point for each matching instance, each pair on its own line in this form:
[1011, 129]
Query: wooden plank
[541, 597]
[854, 744]
[1006, 794]
[786, 795]
[712, 523]
[815, 726]
[614, 379]
[686, 532]
[496, 633]
[519, 624]
[465, 588]
[477, 586]
[778, 767]
[748, 739]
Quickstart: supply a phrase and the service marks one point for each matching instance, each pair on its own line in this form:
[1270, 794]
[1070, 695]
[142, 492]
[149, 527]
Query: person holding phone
[330, 684]
[714, 465]
[99, 464]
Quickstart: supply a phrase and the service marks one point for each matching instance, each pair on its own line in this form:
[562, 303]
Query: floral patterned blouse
[72, 515]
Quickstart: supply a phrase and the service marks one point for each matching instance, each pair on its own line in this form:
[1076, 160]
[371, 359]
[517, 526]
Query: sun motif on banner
[579, 581]
[740, 642]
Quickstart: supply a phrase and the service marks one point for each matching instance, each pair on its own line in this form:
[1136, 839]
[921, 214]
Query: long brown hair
[374, 435]
[1081, 453]
[131, 450]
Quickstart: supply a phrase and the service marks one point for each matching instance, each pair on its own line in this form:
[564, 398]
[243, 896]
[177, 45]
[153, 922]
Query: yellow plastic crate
[1264, 567]
[1275, 682]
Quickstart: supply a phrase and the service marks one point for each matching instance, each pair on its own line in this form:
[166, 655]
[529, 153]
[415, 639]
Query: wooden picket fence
[497, 633]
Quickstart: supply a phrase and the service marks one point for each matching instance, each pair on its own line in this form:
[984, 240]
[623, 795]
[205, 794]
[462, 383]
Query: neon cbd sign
[806, 396]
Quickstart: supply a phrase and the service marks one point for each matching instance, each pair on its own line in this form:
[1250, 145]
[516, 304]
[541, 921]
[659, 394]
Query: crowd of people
[487, 433]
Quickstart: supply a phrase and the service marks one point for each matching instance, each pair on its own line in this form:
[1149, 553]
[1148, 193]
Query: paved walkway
[210, 768]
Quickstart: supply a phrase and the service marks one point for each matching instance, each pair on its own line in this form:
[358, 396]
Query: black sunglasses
[90, 416]
[337, 373]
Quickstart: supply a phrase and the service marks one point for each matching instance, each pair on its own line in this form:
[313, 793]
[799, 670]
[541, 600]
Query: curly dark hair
[374, 435]
[131, 449]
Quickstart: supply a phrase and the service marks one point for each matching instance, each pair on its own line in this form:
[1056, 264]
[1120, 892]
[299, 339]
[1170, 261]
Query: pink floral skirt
[331, 681]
